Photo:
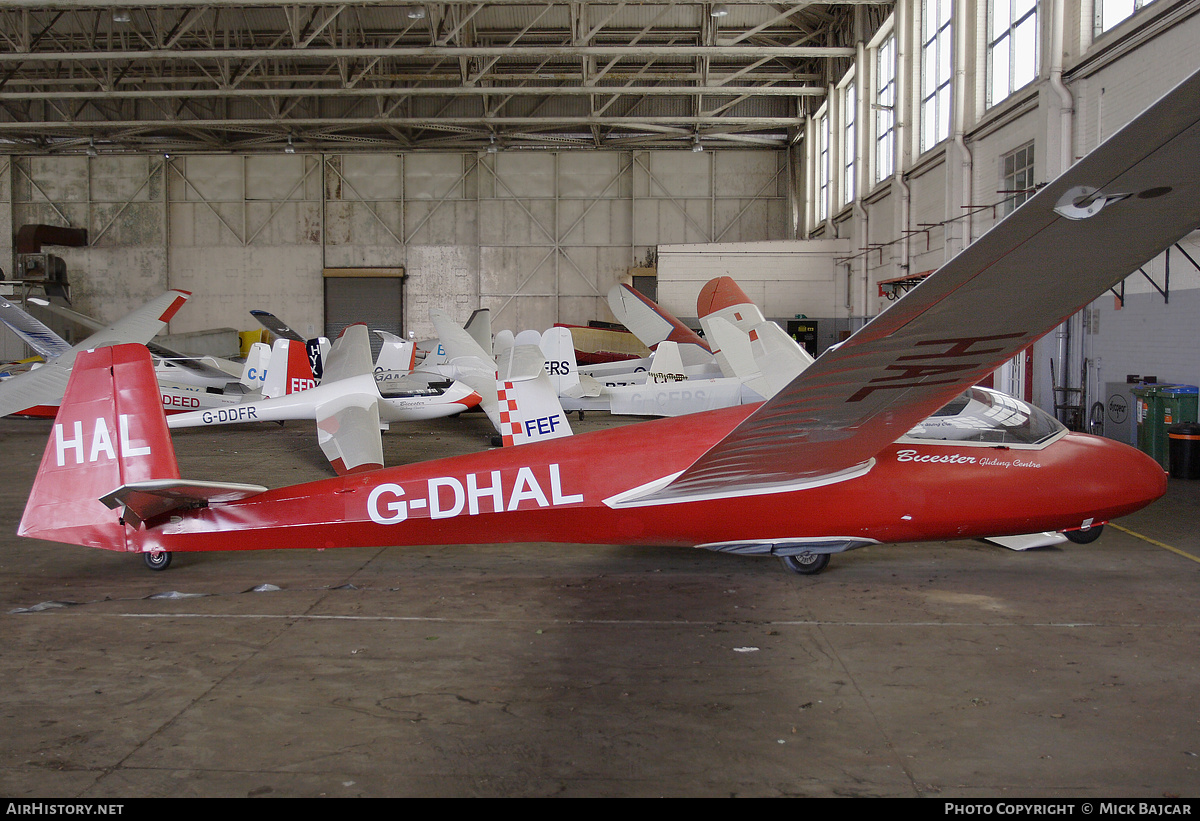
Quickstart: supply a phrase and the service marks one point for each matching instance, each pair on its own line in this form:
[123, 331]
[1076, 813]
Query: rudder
[529, 407]
[289, 369]
[110, 431]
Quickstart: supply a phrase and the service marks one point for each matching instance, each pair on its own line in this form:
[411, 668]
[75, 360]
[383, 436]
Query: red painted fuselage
[557, 492]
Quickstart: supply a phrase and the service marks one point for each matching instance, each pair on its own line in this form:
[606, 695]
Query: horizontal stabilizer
[520, 363]
[276, 326]
[349, 434]
[145, 500]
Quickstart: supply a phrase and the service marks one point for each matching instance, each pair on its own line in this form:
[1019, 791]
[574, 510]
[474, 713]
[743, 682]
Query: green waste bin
[1158, 408]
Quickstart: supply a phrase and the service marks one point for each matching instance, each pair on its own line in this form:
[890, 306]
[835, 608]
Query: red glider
[873, 443]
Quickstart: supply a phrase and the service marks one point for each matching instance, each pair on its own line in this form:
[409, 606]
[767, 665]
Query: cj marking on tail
[101, 442]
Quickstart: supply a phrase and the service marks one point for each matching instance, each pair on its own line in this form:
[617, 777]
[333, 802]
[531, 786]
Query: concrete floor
[938, 670]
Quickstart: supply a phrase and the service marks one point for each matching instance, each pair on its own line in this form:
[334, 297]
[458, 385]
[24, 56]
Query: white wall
[537, 236]
[789, 277]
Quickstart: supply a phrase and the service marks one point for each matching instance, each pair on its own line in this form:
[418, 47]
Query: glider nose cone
[1136, 479]
[1151, 477]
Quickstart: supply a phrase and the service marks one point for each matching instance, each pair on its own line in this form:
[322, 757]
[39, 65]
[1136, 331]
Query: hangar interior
[525, 156]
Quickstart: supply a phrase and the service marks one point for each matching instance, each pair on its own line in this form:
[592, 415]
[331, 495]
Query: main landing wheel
[157, 559]
[1085, 536]
[806, 564]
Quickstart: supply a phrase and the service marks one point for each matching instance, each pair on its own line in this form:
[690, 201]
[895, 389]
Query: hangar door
[371, 295]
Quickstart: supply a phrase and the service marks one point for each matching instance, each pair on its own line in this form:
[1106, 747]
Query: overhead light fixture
[91, 149]
[416, 13]
[696, 146]
[289, 148]
[492, 147]
[121, 16]
[719, 10]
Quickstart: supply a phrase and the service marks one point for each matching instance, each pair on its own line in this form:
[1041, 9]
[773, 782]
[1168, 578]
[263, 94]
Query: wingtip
[177, 303]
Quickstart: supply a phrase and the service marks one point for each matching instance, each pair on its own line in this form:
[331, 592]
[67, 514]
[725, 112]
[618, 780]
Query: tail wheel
[806, 564]
[157, 559]
[1085, 536]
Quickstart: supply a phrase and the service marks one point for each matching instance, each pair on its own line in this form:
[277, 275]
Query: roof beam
[460, 91]
[640, 51]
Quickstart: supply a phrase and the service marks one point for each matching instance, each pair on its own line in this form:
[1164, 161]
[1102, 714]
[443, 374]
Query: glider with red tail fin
[875, 442]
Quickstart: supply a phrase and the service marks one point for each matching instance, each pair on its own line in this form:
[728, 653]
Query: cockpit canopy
[988, 417]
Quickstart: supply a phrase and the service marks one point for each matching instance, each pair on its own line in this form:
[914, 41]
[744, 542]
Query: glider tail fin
[529, 410]
[732, 348]
[396, 353]
[479, 326]
[318, 351]
[780, 358]
[559, 349]
[289, 369]
[667, 364]
[724, 298]
[110, 432]
[254, 372]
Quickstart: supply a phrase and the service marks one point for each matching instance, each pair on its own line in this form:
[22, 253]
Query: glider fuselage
[563, 491]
